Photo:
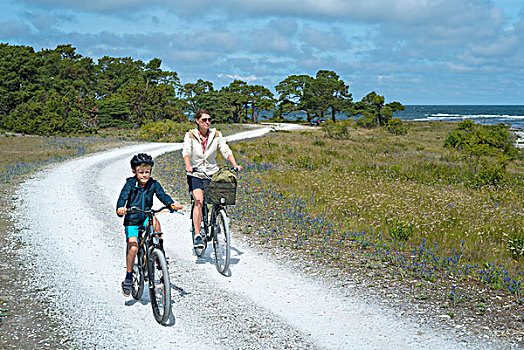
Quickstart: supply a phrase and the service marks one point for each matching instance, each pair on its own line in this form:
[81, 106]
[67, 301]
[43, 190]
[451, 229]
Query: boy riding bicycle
[138, 192]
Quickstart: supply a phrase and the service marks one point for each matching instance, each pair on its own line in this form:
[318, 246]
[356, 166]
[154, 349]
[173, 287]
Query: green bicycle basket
[222, 188]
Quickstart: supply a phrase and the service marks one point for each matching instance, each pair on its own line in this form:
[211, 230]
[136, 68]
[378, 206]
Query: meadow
[404, 200]
[400, 209]
[22, 154]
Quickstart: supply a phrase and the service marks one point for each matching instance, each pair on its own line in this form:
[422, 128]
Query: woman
[199, 151]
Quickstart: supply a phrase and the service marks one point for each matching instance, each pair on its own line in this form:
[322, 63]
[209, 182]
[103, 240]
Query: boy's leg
[156, 226]
[132, 243]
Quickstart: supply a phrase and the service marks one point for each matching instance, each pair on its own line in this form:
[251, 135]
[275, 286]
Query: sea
[490, 114]
[483, 114]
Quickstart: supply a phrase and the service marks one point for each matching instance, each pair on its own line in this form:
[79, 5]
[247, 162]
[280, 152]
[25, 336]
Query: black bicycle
[214, 226]
[151, 266]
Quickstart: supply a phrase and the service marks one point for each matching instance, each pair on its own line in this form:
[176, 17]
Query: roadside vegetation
[23, 154]
[406, 206]
[440, 203]
[435, 204]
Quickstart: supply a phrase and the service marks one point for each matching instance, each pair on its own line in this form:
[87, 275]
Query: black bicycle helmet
[141, 158]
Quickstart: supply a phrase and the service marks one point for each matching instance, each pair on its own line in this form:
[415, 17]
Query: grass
[23, 154]
[403, 203]
[403, 199]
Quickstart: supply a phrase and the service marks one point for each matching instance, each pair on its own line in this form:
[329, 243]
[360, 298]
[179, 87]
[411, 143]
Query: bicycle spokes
[160, 290]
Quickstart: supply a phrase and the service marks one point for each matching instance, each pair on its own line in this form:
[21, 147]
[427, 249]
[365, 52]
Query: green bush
[395, 127]
[491, 172]
[516, 244]
[164, 131]
[367, 120]
[487, 149]
[338, 130]
[398, 230]
[482, 140]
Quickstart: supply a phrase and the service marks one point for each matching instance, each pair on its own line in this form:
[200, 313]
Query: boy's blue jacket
[132, 195]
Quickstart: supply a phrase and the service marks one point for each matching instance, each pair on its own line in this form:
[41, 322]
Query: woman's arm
[187, 161]
[233, 162]
[186, 152]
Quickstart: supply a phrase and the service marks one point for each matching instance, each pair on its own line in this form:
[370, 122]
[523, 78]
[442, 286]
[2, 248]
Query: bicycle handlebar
[152, 211]
[196, 170]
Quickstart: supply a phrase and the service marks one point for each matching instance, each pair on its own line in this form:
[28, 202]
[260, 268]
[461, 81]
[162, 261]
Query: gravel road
[67, 222]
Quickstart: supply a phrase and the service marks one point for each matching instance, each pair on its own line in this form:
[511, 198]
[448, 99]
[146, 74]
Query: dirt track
[68, 228]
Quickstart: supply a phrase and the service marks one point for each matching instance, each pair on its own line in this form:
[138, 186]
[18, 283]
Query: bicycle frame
[151, 258]
[209, 222]
[216, 228]
[206, 219]
[148, 240]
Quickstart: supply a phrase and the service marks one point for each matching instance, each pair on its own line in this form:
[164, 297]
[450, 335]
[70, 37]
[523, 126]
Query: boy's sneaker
[198, 242]
[126, 287]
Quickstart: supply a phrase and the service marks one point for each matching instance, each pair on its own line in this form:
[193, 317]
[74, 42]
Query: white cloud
[91, 5]
[248, 79]
[399, 42]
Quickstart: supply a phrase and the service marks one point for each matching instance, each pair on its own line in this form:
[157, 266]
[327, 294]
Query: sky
[412, 51]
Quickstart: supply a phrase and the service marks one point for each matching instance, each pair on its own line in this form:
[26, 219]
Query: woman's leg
[198, 197]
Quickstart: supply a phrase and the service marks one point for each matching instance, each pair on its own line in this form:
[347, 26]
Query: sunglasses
[206, 120]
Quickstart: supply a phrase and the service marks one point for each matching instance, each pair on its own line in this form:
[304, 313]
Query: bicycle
[214, 227]
[152, 267]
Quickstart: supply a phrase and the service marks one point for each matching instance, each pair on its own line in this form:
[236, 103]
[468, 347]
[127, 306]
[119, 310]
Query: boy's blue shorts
[132, 231]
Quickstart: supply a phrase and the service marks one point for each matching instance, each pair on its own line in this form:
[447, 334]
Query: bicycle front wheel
[160, 286]
[222, 242]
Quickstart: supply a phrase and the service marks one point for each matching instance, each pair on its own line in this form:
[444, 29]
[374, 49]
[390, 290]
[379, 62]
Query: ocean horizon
[512, 115]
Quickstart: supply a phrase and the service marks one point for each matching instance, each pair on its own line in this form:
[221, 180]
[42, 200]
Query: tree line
[60, 91]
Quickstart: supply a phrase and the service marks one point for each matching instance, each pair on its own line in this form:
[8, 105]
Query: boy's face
[142, 173]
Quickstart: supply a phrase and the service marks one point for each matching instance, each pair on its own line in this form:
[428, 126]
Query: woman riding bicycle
[199, 151]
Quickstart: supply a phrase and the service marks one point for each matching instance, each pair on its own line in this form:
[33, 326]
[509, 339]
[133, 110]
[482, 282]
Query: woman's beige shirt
[205, 161]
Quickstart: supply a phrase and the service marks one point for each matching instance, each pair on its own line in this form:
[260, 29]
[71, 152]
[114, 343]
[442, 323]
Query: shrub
[165, 131]
[488, 149]
[398, 230]
[491, 172]
[338, 130]
[367, 120]
[395, 127]
[482, 140]
[516, 244]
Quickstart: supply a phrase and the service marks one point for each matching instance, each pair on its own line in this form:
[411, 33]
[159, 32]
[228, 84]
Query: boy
[138, 192]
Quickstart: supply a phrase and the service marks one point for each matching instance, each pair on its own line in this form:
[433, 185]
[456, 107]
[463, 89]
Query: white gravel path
[66, 216]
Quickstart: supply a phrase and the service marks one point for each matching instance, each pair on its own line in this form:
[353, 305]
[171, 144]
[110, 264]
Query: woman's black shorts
[196, 182]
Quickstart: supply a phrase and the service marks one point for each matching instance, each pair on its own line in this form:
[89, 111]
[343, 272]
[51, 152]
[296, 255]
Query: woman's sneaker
[126, 287]
[198, 242]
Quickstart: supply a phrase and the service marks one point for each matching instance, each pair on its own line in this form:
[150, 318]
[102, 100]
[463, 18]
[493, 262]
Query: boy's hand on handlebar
[237, 168]
[121, 211]
[176, 206]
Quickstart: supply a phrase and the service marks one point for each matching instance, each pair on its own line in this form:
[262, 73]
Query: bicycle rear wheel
[138, 275]
[222, 242]
[160, 287]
